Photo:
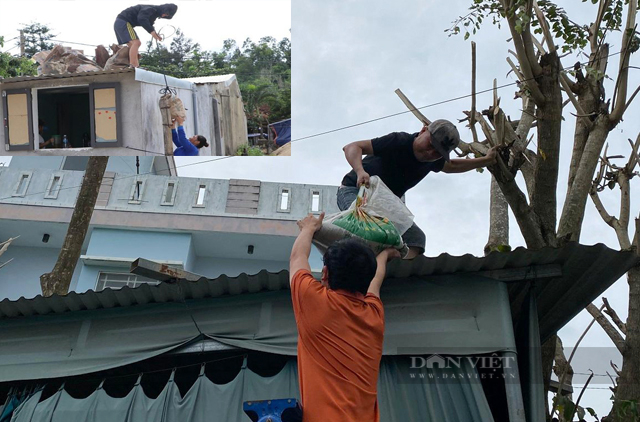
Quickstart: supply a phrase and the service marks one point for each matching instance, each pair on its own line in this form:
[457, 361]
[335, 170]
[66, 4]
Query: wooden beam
[413, 108]
[161, 272]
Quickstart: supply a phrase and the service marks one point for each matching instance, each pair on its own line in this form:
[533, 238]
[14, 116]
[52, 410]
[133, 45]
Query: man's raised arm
[462, 165]
[382, 259]
[353, 152]
[299, 259]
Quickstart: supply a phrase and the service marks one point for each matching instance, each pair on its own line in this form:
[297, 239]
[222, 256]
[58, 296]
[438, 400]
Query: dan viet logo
[462, 367]
[494, 361]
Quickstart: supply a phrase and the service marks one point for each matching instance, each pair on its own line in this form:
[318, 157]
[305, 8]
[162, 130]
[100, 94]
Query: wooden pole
[413, 108]
[21, 43]
[165, 111]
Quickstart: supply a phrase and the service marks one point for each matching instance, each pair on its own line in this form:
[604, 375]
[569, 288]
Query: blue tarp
[281, 131]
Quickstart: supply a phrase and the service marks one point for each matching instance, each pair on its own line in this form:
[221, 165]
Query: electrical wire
[343, 127]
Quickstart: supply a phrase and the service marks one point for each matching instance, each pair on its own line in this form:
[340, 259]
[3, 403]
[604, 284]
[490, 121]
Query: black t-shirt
[395, 163]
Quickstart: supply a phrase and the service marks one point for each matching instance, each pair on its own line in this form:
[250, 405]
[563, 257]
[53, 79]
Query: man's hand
[491, 156]
[311, 223]
[363, 178]
[156, 36]
[389, 254]
[299, 259]
[382, 259]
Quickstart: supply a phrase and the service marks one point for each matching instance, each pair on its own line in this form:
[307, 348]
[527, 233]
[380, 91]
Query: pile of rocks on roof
[67, 60]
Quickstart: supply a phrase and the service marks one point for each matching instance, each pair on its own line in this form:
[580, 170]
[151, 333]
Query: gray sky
[208, 22]
[348, 58]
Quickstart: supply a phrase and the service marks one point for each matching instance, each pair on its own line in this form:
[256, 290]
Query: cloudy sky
[348, 58]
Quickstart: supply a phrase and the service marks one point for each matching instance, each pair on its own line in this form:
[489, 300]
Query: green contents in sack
[371, 228]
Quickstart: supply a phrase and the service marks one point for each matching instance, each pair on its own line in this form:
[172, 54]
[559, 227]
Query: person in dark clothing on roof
[141, 15]
[402, 160]
[186, 146]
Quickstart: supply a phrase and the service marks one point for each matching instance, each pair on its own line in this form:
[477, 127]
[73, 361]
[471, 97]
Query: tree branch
[472, 116]
[614, 316]
[620, 93]
[525, 64]
[611, 331]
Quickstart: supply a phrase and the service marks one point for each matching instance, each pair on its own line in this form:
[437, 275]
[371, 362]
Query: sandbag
[119, 60]
[176, 108]
[377, 216]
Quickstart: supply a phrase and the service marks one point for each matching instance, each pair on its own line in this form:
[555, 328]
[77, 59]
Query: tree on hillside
[59, 279]
[12, 66]
[544, 85]
[36, 38]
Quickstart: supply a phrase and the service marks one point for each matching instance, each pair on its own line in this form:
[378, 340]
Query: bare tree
[626, 336]
[544, 84]
[59, 279]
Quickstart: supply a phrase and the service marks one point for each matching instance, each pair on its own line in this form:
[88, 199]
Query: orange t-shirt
[339, 349]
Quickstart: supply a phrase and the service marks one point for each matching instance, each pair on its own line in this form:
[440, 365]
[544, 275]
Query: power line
[340, 128]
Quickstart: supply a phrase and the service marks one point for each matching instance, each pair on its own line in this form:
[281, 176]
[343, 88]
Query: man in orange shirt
[340, 327]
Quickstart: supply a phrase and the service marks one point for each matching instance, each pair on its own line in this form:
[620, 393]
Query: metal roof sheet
[64, 75]
[586, 272]
[212, 79]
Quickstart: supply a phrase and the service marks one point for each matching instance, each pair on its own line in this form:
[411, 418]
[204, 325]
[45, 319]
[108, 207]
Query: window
[137, 190]
[63, 112]
[88, 115]
[18, 119]
[316, 200]
[55, 183]
[169, 193]
[106, 130]
[23, 184]
[119, 280]
[284, 200]
[201, 196]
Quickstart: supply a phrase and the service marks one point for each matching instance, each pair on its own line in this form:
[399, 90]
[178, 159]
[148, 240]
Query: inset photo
[206, 78]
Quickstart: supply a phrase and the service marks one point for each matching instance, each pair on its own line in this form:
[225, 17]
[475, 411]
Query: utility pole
[21, 43]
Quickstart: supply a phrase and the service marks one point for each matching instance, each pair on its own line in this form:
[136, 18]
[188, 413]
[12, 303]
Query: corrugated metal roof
[64, 75]
[212, 79]
[587, 271]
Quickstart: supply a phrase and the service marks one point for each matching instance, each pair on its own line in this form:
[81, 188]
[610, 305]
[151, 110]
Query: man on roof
[340, 323]
[401, 160]
[141, 15]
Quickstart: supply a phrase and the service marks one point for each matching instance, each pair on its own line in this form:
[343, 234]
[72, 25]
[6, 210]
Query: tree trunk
[628, 383]
[548, 355]
[498, 221]
[549, 117]
[59, 279]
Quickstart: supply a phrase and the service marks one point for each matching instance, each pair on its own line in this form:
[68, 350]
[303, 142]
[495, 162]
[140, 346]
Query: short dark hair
[351, 265]
[202, 141]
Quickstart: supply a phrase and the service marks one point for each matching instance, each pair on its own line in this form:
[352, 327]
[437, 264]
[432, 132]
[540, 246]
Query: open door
[17, 119]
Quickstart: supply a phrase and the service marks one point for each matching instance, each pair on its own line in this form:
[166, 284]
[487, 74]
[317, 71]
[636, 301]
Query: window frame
[319, 192]
[163, 201]
[17, 194]
[204, 198]
[119, 138]
[5, 119]
[281, 190]
[132, 199]
[48, 193]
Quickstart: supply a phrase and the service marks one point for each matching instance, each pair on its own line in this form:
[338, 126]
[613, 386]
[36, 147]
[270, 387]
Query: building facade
[115, 113]
[209, 227]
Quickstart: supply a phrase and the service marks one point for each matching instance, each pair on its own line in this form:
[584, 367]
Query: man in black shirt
[140, 15]
[401, 160]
